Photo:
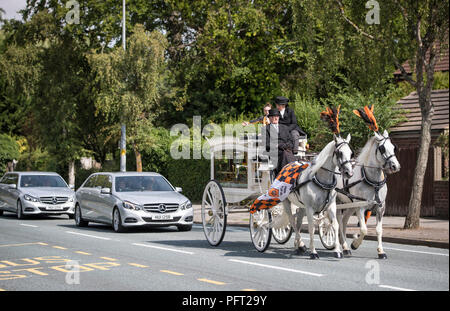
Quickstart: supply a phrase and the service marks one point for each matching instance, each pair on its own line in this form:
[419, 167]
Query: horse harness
[324, 186]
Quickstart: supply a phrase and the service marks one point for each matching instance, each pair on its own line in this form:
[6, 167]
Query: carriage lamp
[132, 206]
[30, 198]
[186, 205]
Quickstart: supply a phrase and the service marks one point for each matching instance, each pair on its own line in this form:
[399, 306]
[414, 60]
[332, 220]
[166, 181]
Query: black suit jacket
[290, 120]
[285, 140]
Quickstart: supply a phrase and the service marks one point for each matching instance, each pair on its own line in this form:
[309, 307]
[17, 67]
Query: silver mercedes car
[33, 193]
[130, 199]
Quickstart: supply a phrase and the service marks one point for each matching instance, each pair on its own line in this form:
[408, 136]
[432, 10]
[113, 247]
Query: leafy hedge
[191, 175]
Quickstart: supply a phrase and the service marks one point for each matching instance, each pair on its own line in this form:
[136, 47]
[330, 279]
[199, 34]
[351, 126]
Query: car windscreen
[41, 181]
[141, 183]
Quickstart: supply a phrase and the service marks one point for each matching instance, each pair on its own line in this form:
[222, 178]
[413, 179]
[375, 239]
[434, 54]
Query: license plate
[162, 217]
[54, 208]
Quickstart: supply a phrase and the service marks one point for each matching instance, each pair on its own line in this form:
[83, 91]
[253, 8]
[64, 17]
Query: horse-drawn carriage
[241, 171]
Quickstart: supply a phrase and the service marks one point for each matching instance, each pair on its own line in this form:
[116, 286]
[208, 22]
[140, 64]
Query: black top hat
[274, 113]
[281, 100]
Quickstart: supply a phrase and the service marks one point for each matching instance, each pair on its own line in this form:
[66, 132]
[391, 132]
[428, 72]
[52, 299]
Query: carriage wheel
[260, 231]
[214, 218]
[282, 235]
[326, 233]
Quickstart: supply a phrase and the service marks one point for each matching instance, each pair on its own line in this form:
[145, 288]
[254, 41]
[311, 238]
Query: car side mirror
[105, 191]
[178, 189]
[12, 186]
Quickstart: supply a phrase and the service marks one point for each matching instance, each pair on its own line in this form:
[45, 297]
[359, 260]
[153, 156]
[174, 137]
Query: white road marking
[411, 251]
[397, 288]
[27, 225]
[88, 235]
[164, 248]
[277, 268]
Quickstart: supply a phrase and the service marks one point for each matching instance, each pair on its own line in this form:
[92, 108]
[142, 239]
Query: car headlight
[132, 206]
[186, 205]
[30, 198]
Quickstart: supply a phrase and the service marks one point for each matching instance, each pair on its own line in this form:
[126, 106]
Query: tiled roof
[441, 63]
[410, 104]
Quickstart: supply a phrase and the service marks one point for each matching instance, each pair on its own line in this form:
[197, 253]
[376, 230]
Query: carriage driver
[287, 117]
[278, 136]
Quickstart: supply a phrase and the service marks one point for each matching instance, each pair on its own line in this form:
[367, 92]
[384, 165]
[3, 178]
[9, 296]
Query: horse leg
[301, 247]
[379, 230]
[298, 239]
[311, 229]
[334, 222]
[343, 230]
[363, 228]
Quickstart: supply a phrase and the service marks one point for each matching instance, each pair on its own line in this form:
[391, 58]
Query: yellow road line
[108, 258]
[249, 290]
[82, 253]
[137, 265]
[2, 290]
[59, 247]
[171, 272]
[211, 281]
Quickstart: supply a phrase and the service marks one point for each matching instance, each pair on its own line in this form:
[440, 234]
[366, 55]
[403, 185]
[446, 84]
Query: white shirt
[275, 126]
[282, 112]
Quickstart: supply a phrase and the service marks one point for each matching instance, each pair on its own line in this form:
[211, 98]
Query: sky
[11, 7]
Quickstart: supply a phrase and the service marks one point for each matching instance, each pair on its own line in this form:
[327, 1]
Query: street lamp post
[123, 146]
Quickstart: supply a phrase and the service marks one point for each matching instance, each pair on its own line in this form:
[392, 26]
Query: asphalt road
[44, 253]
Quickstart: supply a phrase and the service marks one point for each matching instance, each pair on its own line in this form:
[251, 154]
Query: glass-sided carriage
[240, 172]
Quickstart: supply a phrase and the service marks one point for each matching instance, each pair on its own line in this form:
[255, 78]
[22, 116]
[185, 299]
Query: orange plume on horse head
[367, 115]
[331, 117]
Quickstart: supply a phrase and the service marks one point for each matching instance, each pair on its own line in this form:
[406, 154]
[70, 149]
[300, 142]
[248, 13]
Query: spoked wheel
[282, 235]
[326, 233]
[214, 217]
[260, 231]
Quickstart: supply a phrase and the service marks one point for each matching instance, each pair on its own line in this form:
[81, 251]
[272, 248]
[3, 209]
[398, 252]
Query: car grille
[54, 200]
[43, 209]
[148, 219]
[155, 207]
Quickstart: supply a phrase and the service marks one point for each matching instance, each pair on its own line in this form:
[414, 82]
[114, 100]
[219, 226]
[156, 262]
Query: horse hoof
[301, 250]
[382, 256]
[353, 247]
[347, 252]
[338, 255]
[314, 256]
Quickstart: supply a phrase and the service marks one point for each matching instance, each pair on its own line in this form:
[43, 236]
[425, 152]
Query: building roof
[441, 63]
[410, 104]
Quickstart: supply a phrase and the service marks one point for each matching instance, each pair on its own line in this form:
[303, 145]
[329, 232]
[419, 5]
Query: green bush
[9, 150]
[191, 175]
[37, 160]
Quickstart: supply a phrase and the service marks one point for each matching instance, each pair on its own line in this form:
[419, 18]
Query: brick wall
[441, 198]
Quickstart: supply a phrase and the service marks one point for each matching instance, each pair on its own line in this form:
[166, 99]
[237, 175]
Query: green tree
[407, 30]
[130, 82]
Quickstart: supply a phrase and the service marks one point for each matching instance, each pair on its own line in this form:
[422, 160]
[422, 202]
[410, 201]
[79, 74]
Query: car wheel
[117, 221]
[184, 227]
[1, 212]
[20, 214]
[79, 221]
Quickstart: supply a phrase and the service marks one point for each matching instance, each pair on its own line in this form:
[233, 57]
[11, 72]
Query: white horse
[368, 183]
[315, 191]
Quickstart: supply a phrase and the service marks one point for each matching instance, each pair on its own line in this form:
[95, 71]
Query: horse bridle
[338, 154]
[382, 150]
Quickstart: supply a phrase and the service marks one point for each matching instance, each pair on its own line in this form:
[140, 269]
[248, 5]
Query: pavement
[432, 232]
